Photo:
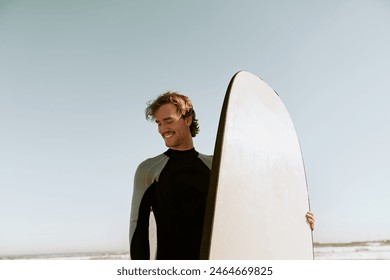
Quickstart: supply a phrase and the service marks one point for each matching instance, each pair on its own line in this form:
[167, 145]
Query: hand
[310, 220]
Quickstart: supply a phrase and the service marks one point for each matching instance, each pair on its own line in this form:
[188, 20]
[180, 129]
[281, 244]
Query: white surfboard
[258, 195]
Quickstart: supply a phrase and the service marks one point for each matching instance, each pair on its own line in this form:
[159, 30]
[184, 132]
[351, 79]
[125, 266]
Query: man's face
[174, 129]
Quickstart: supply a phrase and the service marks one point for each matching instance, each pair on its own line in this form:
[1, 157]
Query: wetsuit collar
[181, 154]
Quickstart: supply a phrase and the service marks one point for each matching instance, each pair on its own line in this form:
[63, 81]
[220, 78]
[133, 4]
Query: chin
[169, 145]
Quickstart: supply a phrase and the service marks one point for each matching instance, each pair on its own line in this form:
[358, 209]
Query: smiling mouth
[168, 135]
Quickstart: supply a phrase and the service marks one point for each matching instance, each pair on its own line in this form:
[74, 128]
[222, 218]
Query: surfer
[173, 185]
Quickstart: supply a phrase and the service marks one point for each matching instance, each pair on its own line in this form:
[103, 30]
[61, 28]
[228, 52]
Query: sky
[75, 77]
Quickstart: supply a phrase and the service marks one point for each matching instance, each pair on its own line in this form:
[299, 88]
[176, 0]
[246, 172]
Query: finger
[311, 224]
[310, 216]
[310, 220]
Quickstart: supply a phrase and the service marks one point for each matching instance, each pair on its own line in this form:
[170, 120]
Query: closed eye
[169, 120]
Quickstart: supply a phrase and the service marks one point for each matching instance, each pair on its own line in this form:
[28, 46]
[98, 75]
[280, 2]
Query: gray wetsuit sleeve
[146, 173]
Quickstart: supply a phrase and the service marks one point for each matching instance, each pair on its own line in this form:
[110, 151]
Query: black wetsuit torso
[178, 201]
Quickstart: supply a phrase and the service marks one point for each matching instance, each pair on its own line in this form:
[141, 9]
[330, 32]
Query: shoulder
[150, 162]
[149, 170]
[207, 159]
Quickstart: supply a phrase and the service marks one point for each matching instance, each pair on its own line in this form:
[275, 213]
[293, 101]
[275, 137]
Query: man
[173, 185]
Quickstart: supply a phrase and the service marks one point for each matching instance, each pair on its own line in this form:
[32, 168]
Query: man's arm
[146, 175]
[139, 242]
[139, 218]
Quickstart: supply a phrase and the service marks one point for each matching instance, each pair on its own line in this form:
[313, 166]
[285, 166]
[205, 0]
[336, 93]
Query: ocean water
[368, 250]
[72, 256]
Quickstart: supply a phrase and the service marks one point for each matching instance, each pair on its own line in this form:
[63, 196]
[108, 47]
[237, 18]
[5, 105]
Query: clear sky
[75, 77]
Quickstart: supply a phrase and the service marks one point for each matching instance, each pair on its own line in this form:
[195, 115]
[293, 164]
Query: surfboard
[258, 195]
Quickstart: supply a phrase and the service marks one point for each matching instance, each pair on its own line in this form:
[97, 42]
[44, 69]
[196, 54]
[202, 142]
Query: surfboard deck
[258, 195]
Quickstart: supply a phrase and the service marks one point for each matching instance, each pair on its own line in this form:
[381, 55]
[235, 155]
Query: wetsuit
[174, 186]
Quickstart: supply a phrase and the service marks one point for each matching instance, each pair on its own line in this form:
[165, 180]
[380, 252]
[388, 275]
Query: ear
[188, 120]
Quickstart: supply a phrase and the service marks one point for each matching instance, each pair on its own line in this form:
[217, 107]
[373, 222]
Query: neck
[184, 147]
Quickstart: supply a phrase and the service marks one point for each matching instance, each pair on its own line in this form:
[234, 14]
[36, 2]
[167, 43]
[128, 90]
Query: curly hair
[183, 105]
